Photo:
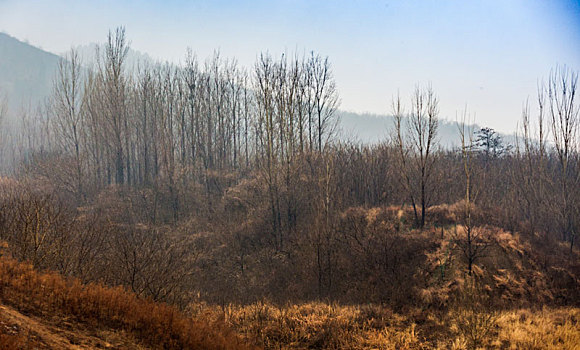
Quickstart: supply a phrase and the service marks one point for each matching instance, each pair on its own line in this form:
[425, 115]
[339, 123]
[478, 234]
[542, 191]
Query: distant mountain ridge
[87, 55]
[26, 72]
[374, 128]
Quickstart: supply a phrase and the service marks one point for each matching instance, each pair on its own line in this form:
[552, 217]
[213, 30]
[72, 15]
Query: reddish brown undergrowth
[152, 324]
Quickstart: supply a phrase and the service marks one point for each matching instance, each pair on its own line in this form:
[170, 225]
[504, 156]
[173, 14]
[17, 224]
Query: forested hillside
[225, 191]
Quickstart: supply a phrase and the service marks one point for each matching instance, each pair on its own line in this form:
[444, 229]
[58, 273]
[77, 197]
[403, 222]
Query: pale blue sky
[485, 54]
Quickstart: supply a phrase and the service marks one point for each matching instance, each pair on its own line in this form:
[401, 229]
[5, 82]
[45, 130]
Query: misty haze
[289, 175]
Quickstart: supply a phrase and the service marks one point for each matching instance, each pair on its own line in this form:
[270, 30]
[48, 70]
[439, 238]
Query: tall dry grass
[331, 326]
[319, 325]
[155, 325]
[542, 329]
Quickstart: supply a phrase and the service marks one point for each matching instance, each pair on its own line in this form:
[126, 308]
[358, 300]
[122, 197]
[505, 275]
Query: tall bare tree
[115, 85]
[325, 97]
[416, 139]
[564, 118]
[472, 242]
[68, 100]
[267, 134]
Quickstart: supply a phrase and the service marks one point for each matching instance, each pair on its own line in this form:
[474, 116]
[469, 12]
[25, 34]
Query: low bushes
[154, 324]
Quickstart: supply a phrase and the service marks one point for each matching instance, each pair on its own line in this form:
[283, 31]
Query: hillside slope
[523, 293]
[375, 128]
[47, 311]
[26, 72]
[21, 331]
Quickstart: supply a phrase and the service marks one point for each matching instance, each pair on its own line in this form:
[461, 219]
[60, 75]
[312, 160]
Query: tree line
[235, 174]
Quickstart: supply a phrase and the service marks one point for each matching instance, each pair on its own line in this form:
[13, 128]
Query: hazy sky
[488, 55]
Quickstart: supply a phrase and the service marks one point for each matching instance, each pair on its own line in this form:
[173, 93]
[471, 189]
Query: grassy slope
[532, 280]
[324, 326]
[532, 283]
[47, 310]
[19, 331]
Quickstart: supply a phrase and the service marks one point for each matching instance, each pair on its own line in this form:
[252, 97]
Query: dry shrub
[154, 324]
[321, 326]
[524, 273]
[472, 316]
[380, 257]
[443, 214]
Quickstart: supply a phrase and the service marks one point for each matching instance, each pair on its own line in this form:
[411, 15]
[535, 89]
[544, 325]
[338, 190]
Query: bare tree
[323, 233]
[68, 103]
[472, 243]
[3, 108]
[114, 88]
[416, 144]
[564, 119]
[32, 223]
[325, 97]
[530, 173]
[267, 133]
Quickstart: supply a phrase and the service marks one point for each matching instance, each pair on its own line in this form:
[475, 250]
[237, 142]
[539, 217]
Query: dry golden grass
[155, 325]
[543, 329]
[324, 326]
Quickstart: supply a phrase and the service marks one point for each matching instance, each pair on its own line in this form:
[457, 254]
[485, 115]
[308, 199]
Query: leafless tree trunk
[473, 244]
[264, 86]
[115, 94]
[325, 98]
[416, 144]
[68, 104]
[564, 118]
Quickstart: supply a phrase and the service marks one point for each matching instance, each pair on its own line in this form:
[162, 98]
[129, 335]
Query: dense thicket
[209, 180]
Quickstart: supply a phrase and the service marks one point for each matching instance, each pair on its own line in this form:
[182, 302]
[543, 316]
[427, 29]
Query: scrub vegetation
[209, 205]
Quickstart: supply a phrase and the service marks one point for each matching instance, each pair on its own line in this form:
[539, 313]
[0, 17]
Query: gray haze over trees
[27, 74]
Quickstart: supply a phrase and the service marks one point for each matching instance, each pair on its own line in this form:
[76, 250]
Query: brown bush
[154, 324]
